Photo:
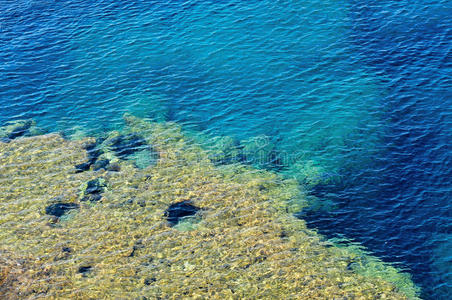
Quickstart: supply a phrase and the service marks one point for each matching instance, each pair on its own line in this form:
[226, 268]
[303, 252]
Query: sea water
[356, 92]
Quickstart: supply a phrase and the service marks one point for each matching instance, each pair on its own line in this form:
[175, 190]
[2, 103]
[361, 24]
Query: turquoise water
[359, 92]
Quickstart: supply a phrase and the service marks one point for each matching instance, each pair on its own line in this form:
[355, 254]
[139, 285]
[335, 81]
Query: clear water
[360, 90]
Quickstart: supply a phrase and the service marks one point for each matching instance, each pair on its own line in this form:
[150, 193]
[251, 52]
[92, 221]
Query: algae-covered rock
[19, 128]
[114, 167]
[13, 275]
[223, 149]
[258, 151]
[92, 190]
[245, 244]
[94, 152]
[128, 146]
[307, 172]
[314, 178]
[101, 164]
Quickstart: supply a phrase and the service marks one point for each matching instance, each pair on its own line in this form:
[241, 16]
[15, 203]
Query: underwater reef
[89, 219]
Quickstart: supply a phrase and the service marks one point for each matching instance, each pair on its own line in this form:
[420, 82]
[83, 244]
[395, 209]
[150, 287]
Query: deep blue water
[361, 90]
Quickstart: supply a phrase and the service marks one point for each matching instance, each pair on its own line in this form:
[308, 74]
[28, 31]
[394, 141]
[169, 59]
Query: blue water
[361, 90]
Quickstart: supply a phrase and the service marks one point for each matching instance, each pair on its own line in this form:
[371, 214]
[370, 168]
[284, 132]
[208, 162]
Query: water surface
[359, 92]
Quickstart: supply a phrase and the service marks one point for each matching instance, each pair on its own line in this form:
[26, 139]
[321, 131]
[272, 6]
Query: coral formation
[246, 243]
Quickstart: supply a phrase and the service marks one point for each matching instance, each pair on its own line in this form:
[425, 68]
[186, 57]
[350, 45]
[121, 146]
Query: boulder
[58, 209]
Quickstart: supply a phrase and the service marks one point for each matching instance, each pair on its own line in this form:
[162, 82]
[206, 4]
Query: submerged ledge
[170, 225]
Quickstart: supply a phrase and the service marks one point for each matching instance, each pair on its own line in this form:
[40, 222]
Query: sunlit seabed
[73, 231]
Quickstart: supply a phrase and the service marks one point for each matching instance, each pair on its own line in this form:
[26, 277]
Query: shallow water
[357, 92]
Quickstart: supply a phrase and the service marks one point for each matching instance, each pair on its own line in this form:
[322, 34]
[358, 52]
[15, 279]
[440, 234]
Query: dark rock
[93, 155]
[5, 140]
[93, 151]
[132, 147]
[91, 198]
[141, 202]
[179, 210]
[124, 145]
[20, 129]
[66, 249]
[84, 269]
[95, 186]
[150, 280]
[90, 146]
[352, 265]
[101, 164]
[283, 234]
[93, 190]
[82, 167]
[59, 209]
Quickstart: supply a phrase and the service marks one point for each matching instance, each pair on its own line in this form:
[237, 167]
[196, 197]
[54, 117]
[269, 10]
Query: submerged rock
[93, 189]
[101, 164]
[257, 151]
[225, 150]
[84, 269]
[143, 159]
[128, 144]
[248, 237]
[93, 154]
[59, 209]
[261, 152]
[19, 128]
[179, 210]
[82, 167]
[93, 151]
[131, 147]
[95, 186]
[222, 150]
